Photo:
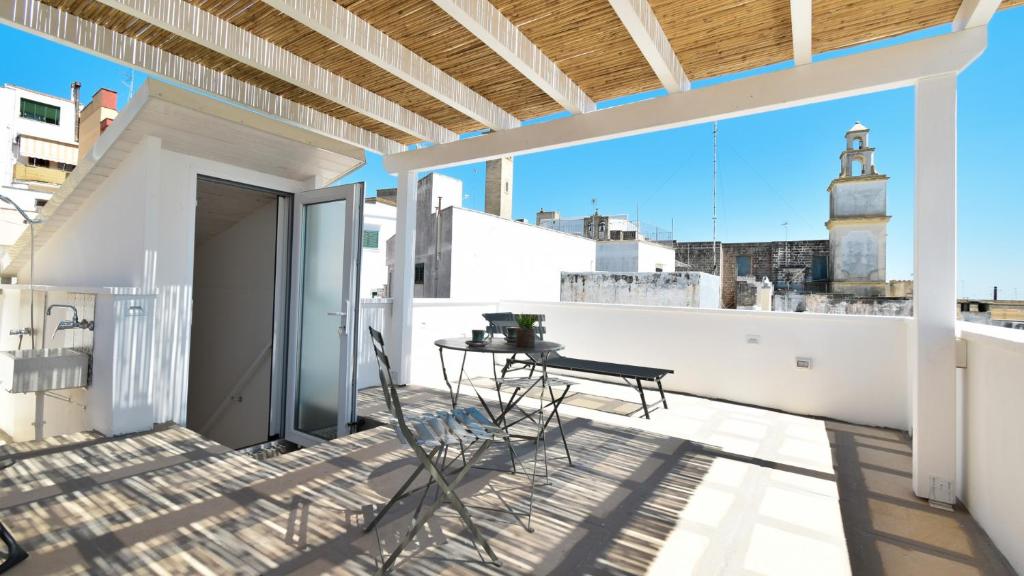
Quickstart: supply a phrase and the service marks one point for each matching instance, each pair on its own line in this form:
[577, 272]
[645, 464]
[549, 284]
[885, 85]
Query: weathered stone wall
[788, 265]
[843, 304]
[683, 289]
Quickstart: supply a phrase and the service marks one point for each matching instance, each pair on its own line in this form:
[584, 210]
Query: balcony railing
[39, 174]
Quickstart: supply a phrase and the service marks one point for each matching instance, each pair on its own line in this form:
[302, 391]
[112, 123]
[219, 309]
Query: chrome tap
[68, 324]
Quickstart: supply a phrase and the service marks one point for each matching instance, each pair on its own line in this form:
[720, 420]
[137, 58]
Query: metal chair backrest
[499, 321]
[387, 384]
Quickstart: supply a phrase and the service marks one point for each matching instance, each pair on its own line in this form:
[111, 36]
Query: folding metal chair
[429, 436]
[10, 553]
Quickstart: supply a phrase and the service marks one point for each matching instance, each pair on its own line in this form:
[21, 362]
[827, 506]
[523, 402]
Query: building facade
[44, 136]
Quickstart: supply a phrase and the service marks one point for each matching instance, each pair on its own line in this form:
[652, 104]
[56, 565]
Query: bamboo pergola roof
[585, 41]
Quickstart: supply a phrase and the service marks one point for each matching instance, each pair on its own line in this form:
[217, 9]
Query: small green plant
[526, 321]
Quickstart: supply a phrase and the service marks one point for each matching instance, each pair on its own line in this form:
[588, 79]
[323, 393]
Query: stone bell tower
[858, 223]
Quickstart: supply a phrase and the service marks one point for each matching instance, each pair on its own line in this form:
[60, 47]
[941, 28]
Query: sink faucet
[65, 324]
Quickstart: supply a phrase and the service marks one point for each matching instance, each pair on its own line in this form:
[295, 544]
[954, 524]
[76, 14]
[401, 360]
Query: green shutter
[39, 111]
[371, 238]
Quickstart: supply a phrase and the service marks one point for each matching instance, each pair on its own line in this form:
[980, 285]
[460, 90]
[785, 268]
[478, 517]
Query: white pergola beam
[642, 24]
[974, 13]
[863, 73]
[192, 23]
[67, 29]
[488, 24]
[334, 22]
[800, 19]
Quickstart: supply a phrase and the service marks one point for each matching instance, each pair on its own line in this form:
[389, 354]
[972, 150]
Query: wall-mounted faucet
[68, 324]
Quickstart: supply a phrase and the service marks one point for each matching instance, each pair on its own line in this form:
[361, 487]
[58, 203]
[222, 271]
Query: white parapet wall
[859, 363]
[993, 434]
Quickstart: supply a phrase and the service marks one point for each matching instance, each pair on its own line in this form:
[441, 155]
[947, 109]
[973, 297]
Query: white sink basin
[42, 370]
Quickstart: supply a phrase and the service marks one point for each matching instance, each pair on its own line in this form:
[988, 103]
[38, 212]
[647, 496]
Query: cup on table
[478, 335]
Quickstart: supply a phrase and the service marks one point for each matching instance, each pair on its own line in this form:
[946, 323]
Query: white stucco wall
[136, 231]
[494, 258]
[374, 276]
[634, 256]
[993, 469]
[651, 257]
[709, 353]
[859, 371]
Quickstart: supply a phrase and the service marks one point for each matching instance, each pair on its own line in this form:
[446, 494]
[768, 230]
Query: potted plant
[526, 335]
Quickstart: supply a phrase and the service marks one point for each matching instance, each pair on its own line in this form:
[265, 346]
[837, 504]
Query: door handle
[343, 318]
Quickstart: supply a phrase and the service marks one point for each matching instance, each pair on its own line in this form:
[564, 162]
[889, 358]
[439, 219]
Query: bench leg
[643, 399]
[662, 390]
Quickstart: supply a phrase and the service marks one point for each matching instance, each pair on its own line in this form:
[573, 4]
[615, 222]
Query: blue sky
[773, 168]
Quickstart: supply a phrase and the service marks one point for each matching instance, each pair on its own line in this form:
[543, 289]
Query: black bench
[633, 376]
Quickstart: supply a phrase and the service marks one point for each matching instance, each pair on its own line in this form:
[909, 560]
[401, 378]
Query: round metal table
[540, 351]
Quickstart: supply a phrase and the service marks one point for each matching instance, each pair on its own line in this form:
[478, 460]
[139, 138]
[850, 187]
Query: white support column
[400, 336]
[934, 356]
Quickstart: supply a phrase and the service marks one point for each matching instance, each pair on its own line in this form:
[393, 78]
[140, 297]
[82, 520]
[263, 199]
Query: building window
[371, 239]
[819, 268]
[40, 112]
[742, 266]
[418, 275]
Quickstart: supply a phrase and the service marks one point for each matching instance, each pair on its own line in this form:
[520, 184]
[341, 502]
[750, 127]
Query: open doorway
[234, 392]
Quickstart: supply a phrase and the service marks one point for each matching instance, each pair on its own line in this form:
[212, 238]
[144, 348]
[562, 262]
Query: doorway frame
[282, 297]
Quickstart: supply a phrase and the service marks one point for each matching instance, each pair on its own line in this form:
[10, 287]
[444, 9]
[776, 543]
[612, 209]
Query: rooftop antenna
[129, 82]
[785, 225]
[714, 193]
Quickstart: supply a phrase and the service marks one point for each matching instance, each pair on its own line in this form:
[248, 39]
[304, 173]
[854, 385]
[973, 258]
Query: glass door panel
[324, 303]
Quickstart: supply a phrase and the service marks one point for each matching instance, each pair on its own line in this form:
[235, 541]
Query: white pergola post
[934, 351]
[402, 280]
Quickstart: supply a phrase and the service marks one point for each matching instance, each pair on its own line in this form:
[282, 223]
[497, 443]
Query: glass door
[324, 304]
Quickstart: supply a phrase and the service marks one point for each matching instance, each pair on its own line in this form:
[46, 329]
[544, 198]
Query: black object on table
[540, 350]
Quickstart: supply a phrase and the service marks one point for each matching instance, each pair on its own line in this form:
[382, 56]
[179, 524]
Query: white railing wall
[375, 312]
[859, 363]
[993, 434]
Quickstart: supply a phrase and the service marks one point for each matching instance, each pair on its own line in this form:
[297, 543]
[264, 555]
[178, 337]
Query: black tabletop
[498, 346]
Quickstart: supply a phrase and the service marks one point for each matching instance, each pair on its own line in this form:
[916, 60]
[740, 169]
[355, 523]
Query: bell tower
[858, 223]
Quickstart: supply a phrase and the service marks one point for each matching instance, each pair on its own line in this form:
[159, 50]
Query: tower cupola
[859, 157]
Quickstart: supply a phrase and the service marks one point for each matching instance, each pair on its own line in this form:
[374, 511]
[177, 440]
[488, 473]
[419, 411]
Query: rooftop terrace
[704, 487]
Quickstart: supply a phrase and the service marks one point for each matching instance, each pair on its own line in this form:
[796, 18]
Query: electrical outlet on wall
[804, 363]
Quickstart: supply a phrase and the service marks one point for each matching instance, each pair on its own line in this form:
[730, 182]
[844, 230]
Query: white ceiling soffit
[641, 23]
[58, 25]
[973, 13]
[488, 24]
[190, 22]
[800, 18]
[333, 21]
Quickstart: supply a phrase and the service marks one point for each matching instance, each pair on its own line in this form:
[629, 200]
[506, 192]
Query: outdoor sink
[41, 370]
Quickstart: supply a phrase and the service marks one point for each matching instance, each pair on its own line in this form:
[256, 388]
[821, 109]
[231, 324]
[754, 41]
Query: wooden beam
[488, 24]
[333, 21]
[800, 19]
[55, 24]
[974, 13]
[196, 25]
[887, 68]
[642, 24]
